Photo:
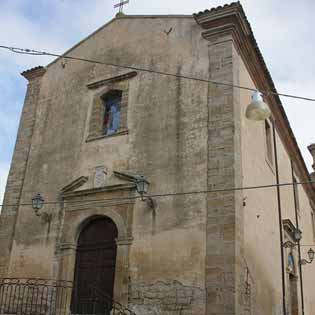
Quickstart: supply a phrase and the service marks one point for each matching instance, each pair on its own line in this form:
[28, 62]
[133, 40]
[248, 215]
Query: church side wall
[262, 240]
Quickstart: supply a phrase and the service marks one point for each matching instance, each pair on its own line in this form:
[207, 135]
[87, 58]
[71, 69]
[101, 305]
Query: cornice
[34, 73]
[124, 241]
[289, 227]
[230, 20]
[91, 191]
[74, 184]
[99, 83]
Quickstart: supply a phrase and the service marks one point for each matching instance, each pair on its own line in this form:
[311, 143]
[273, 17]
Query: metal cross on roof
[121, 5]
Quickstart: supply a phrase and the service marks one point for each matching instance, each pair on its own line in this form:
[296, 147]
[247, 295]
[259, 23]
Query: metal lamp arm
[305, 261]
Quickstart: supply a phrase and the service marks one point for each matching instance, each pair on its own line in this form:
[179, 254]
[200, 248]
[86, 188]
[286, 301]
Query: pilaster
[224, 256]
[18, 165]
[225, 267]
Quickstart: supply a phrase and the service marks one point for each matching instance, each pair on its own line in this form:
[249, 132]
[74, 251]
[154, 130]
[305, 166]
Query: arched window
[112, 104]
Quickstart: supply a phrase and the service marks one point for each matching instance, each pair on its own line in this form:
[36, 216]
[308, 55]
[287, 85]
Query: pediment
[77, 183]
[86, 184]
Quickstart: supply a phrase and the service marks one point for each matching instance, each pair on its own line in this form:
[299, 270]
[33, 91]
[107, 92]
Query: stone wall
[18, 167]
[169, 297]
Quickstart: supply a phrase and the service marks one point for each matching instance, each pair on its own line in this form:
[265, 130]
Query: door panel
[95, 268]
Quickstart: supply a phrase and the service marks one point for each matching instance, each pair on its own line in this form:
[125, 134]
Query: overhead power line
[27, 51]
[166, 194]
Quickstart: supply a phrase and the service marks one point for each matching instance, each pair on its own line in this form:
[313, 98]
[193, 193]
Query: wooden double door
[95, 268]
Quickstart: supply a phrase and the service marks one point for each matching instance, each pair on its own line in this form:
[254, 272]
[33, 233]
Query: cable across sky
[27, 51]
[168, 194]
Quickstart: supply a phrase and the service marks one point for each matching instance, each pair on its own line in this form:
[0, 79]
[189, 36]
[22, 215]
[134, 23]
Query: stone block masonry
[18, 165]
[169, 297]
[224, 268]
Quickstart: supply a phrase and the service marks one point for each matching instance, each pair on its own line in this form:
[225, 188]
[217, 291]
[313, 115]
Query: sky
[283, 30]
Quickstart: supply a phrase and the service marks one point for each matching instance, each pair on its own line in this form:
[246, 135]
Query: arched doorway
[95, 268]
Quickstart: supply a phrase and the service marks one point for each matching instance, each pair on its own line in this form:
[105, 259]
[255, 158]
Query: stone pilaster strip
[19, 162]
[224, 257]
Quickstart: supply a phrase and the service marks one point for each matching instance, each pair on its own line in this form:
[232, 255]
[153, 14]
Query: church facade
[198, 243]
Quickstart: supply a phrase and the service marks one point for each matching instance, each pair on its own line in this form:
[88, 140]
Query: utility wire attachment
[27, 51]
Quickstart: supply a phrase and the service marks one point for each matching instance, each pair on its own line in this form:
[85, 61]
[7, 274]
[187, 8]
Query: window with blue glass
[112, 104]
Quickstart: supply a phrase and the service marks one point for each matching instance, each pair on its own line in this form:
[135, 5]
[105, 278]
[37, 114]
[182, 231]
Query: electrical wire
[166, 194]
[27, 51]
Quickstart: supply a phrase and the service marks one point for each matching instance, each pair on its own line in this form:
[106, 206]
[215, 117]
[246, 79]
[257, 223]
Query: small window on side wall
[112, 111]
[268, 135]
[296, 194]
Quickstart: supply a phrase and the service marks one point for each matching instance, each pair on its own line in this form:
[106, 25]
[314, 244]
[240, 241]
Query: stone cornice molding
[91, 191]
[99, 83]
[34, 73]
[289, 227]
[66, 246]
[230, 20]
[74, 184]
[124, 241]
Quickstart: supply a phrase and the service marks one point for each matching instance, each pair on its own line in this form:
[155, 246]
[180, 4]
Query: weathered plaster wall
[167, 142]
[189, 255]
[262, 240]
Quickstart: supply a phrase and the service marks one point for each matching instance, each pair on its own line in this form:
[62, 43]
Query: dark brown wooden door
[95, 268]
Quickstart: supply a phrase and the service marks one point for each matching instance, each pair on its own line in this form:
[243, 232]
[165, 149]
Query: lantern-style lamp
[37, 203]
[310, 254]
[257, 109]
[142, 186]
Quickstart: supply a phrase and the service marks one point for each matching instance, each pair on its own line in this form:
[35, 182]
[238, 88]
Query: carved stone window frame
[102, 87]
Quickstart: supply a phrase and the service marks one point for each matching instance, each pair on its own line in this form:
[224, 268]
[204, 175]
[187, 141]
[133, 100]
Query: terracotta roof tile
[33, 72]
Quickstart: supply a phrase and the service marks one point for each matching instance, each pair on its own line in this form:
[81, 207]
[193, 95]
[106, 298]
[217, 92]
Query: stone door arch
[95, 267]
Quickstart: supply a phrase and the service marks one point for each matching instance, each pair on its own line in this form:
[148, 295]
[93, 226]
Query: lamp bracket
[289, 244]
[151, 203]
[304, 262]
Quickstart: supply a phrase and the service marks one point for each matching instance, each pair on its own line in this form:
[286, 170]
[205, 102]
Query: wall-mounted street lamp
[310, 254]
[257, 109]
[37, 204]
[142, 186]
